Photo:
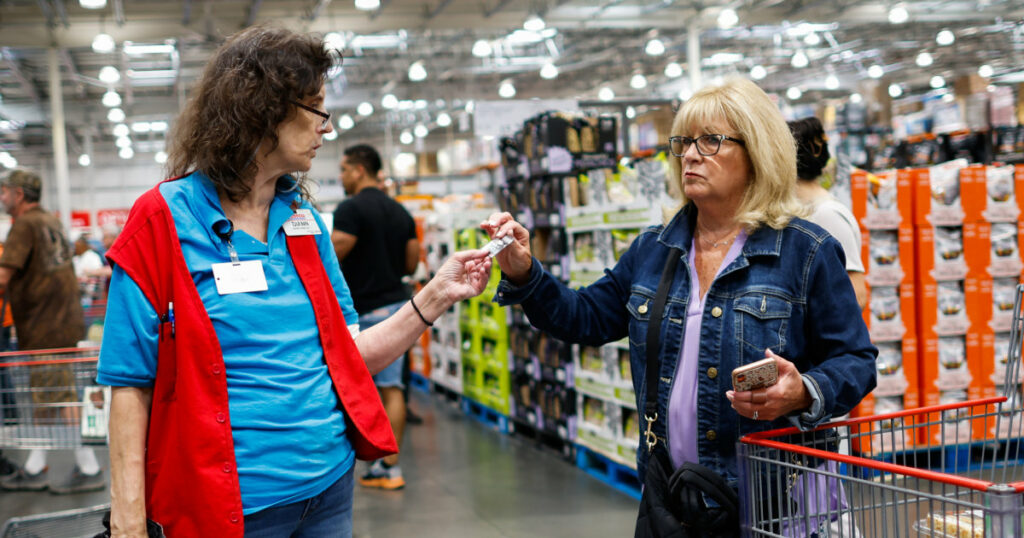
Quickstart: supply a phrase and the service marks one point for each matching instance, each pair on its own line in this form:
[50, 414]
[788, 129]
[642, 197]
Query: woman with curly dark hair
[242, 390]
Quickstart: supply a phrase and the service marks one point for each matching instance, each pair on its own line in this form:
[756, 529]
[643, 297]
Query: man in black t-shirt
[375, 239]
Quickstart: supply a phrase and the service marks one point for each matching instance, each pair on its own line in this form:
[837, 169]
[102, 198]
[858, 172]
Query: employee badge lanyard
[237, 276]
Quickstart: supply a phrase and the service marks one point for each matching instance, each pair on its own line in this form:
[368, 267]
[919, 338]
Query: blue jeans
[392, 375]
[326, 514]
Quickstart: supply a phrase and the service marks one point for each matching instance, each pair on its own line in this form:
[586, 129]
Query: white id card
[239, 277]
[301, 223]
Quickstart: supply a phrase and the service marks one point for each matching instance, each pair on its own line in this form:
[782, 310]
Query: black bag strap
[654, 344]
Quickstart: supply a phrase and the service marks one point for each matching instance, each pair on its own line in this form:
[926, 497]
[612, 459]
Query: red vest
[191, 479]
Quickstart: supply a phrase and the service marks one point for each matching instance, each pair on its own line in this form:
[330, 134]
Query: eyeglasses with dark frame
[707, 145]
[325, 115]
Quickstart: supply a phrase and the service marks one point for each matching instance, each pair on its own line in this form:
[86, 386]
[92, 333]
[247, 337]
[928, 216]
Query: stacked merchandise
[445, 339]
[421, 208]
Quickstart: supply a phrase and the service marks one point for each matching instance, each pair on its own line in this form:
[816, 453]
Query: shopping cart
[49, 399]
[78, 523]
[953, 470]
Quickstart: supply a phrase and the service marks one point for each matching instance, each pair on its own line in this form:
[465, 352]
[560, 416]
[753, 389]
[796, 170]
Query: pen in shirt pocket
[170, 317]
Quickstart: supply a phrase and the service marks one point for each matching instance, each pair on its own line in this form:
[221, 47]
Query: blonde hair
[769, 199]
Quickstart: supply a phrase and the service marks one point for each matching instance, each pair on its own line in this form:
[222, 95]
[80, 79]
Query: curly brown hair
[244, 93]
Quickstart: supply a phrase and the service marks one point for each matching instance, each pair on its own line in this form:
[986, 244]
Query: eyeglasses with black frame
[707, 145]
[325, 115]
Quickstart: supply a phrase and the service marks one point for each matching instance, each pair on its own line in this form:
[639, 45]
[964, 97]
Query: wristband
[420, 314]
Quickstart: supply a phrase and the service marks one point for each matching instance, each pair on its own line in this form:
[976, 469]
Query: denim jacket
[787, 290]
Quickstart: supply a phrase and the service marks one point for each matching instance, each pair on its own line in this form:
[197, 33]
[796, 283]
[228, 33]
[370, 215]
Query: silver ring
[755, 415]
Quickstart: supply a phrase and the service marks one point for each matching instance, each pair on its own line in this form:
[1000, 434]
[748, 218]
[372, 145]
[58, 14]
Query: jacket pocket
[166, 363]
[761, 322]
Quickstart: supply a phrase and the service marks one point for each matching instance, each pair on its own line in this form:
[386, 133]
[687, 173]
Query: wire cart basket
[49, 399]
[949, 471]
[77, 523]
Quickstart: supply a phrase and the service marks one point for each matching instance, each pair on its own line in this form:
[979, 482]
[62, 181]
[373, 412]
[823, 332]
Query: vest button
[712, 372]
[711, 435]
[215, 369]
[226, 468]
[234, 517]
[220, 417]
[716, 312]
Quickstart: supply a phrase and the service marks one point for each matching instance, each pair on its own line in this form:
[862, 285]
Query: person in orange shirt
[7, 409]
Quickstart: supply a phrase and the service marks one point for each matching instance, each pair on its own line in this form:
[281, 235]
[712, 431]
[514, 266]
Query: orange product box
[993, 249]
[872, 438]
[942, 195]
[882, 200]
[993, 195]
[888, 256]
[939, 251]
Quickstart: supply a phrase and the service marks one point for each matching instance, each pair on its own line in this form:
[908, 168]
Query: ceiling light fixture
[364, 109]
[389, 101]
[685, 94]
[937, 82]
[758, 72]
[549, 71]
[507, 90]
[111, 99]
[126, 153]
[986, 71]
[115, 115]
[800, 60]
[334, 41]
[895, 90]
[84, 160]
[123, 142]
[417, 72]
[638, 82]
[420, 130]
[93, 4]
[331, 135]
[876, 71]
[346, 122]
[110, 74]
[812, 39]
[728, 18]
[121, 130]
[103, 43]
[160, 157]
[794, 93]
[534, 24]
[924, 59]
[630, 112]
[899, 14]
[856, 98]
[655, 47]
[140, 127]
[945, 37]
[605, 93]
[482, 48]
[367, 5]
[673, 70]
[406, 137]
[444, 120]
[420, 104]
[158, 126]
[832, 82]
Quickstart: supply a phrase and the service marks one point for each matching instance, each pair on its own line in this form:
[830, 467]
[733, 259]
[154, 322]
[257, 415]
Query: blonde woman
[753, 281]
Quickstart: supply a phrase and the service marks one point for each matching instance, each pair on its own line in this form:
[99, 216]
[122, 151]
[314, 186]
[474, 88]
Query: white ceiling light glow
[986, 71]
[937, 82]
[126, 153]
[758, 72]
[876, 71]
[482, 48]
[160, 157]
[158, 126]
[630, 112]
[140, 127]
[534, 24]
[420, 130]
[507, 90]
[812, 39]
[420, 104]
[111, 99]
[406, 137]
[331, 135]
[417, 72]
[389, 101]
[444, 120]
[364, 109]
[123, 142]
[794, 93]
[655, 47]
[115, 115]
[895, 90]
[800, 59]
[93, 4]
[856, 98]
[728, 18]
[367, 5]
[638, 82]
[110, 74]
[334, 41]
[346, 122]
[832, 82]
[121, 130]
[924, 59]
[606, 94]
[103, 43]
[945, 38]
[84, 160]
[673, 70]
[899, 14]
[549, 71]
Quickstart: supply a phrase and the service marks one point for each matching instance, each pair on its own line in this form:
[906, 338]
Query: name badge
[239, 277]
[301, 223]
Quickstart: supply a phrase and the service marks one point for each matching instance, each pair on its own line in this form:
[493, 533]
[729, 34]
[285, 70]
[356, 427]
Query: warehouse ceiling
[161, 46]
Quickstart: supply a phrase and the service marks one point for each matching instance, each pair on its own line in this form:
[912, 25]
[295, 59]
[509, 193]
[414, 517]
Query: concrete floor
[464, 480]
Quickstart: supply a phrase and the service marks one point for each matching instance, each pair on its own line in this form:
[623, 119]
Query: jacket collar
[678, 233]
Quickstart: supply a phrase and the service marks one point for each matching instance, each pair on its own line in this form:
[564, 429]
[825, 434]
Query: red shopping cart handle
[55, 351]
[50, 362]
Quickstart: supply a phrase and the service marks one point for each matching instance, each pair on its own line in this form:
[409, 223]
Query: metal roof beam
[44, 6]
[318, 9]
[441, 6]
[254, 9]
[497, 7]
[118, 11]
[380, 8]
[26, 85]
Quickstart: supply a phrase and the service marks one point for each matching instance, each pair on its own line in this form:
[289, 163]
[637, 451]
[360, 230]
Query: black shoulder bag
[672, 505]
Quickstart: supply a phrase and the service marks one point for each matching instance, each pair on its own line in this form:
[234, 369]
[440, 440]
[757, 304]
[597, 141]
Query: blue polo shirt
[287, 423]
